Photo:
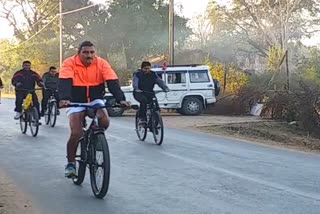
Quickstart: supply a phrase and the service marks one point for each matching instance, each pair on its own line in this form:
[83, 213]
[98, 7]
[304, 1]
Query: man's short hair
[26, 62]
[85, 44]
[52, 67]
[145, 64]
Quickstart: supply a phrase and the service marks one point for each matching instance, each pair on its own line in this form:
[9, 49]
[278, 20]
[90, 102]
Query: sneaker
[58, 112]
[70, 170]
[17, 116]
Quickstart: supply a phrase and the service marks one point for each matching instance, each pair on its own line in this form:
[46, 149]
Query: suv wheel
[180, 111]
[192, 106]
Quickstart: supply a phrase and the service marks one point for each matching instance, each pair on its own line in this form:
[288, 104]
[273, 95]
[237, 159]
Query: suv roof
[190, 67]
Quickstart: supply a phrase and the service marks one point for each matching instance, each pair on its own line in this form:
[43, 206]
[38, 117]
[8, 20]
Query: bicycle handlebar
[50, 89]
[97, 106]
[28, 90]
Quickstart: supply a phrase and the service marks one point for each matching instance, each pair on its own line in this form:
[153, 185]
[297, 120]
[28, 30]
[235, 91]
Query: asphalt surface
[190, 173]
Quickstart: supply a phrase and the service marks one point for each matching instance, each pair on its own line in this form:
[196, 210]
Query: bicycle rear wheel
[81, 160]
[141, 130]
[34, 121]
[23, 123]
[100, 159]
[157, 128]
[53, 113]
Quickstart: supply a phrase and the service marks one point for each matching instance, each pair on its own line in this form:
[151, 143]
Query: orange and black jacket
[82, 84]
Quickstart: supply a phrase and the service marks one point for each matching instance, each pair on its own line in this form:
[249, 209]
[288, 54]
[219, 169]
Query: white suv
[191, 90]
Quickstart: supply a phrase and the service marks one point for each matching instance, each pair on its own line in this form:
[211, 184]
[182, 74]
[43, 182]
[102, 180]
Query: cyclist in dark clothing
[50, 81]
[25, 79]
[143, 82]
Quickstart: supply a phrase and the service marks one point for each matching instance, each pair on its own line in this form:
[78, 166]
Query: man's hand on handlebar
[64, 103]
[41, 84]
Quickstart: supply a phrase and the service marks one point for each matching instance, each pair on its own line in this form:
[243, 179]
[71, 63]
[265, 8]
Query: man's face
[53, 72]
[87, 54]
[146, 69]
[26, 66]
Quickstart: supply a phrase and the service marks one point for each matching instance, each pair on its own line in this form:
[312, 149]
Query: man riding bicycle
[50, 81]
[23, 80]
[82, 79]
[143, 83]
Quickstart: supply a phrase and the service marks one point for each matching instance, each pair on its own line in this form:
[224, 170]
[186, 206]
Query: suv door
[200, 82]
[177, 83]
[160, 96]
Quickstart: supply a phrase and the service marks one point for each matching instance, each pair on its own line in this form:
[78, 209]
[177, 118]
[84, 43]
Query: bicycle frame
[153, 106]
[153, 120]
[27, 116]
[27, 102]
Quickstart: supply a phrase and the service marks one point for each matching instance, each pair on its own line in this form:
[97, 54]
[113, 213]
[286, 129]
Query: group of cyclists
[81, 79]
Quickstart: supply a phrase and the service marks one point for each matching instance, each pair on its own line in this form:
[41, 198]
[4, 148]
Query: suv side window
[176, 77]
[199, 76]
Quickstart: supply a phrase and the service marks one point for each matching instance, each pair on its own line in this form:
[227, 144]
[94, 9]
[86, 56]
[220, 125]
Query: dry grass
[273, 133]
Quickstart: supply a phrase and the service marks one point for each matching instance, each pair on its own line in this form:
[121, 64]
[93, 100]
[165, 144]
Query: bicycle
[51, 113]
[154, 121]
[30, 114]
[92, 142]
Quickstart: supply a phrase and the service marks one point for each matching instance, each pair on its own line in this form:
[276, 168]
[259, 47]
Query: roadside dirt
[12, 201]
[249, 128]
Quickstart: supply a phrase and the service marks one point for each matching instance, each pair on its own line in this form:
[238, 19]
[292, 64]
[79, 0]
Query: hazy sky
[190, 9]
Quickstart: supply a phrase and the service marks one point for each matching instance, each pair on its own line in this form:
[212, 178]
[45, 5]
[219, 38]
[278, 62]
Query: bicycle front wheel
[141, 129]
[81, 161]
[23, 123]
[53, 113]
[157, 128]
[100, 165]
[34, 121]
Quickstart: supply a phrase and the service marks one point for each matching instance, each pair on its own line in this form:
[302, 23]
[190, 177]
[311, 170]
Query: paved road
[190, 173]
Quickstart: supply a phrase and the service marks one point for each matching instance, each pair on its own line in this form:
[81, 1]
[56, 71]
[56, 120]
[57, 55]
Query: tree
[263, 24]
[27, 17]
[203, 31]
[140, 27]
[310, 66]
[231, 78]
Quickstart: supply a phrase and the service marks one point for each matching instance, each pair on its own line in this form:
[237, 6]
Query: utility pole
[60, 28]
[171, 32]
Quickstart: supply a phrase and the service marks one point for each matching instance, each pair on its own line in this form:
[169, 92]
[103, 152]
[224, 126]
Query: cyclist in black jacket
[25, 79]
[143, 83]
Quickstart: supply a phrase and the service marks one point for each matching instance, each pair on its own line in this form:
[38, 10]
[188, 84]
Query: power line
[43, 4]
[31, 37]
[76, 10]
[39, 20]
[44, 27]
